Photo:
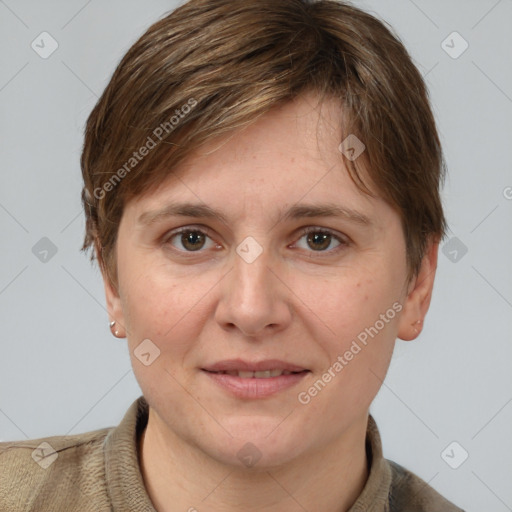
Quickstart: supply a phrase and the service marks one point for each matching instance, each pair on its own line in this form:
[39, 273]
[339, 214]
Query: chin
[257, 456]
[261, 442]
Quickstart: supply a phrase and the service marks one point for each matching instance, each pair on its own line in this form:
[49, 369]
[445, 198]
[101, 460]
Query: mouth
[263, 374]
[244, 379]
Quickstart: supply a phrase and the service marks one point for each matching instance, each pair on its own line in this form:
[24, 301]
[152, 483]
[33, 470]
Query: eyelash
[343, 243]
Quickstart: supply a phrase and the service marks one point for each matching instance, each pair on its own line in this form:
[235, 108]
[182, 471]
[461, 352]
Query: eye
[319, 239]
[191, 239]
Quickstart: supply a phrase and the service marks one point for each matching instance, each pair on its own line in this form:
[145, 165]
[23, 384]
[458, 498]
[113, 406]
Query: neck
[178, 476]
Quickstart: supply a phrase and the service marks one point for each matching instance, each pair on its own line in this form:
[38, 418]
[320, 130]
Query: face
[275, 281]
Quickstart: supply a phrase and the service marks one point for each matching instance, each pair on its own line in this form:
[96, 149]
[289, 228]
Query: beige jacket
[99, 471]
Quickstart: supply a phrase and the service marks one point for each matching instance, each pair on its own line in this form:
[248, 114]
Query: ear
[114, 308]
[419, 294]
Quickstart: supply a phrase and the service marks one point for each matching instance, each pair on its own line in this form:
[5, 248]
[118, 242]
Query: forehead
[290, 155]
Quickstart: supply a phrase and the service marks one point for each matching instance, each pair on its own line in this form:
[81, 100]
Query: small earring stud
[115, 332]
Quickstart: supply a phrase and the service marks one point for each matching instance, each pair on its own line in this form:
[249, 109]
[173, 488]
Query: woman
[261, 190]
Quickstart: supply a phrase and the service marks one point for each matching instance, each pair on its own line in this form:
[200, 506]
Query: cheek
[352, 304]
[358, 355]
[166, 313]
[362, 316]
[162, 306]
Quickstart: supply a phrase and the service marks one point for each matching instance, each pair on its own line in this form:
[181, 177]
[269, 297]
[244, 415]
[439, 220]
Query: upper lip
[254, 366]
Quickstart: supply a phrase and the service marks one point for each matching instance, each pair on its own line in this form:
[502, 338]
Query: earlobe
[114, 308]
[113, 300]
[417, 302]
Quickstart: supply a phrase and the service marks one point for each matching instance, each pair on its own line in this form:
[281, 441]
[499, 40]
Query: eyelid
[314, 229]
[188, 227]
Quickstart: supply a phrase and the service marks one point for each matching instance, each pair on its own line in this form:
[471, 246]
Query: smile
[247, 380]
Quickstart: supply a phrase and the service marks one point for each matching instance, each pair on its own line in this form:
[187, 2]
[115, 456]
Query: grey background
[61, 371]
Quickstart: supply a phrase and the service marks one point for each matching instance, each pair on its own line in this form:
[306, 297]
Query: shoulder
[409, 492]
[48, 473]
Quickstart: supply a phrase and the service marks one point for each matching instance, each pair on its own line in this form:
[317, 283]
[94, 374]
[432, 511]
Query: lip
[256, 366]
[253, 388]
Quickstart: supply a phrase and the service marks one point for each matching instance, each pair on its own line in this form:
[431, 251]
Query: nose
[254, 299]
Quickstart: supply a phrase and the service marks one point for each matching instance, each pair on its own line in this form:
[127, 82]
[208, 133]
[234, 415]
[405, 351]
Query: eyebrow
[294, 212]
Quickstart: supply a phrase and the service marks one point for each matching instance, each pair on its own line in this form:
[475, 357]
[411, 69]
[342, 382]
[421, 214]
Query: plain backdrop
[447, 395]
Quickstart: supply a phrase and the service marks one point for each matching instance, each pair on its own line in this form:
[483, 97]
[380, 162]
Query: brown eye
[189, 240]
[321, 240]
[192, 240]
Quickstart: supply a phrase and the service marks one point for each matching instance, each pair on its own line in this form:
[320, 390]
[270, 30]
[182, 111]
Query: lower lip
[253, 387]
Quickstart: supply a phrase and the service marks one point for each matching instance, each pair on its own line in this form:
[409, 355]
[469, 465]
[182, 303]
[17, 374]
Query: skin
[299, 301]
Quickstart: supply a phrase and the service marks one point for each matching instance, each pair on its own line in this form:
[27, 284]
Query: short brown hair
[214, 66]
